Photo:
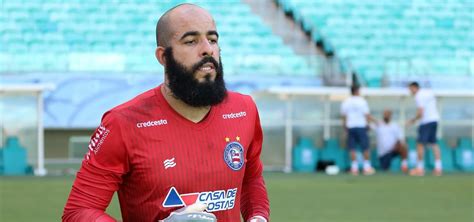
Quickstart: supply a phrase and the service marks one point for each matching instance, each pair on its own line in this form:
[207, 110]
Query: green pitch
[293, 197]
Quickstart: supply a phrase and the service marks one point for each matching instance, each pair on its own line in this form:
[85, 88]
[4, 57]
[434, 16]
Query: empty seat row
[368, 34]
[124, 32]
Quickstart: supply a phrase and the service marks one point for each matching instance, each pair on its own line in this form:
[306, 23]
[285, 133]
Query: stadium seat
[65, 29]
[464, 155]
[305, 156]
[395, 165]
[374, 158]
[333, 152]
[400, 30]
[465, 142]
[13, 157]
[447, 157]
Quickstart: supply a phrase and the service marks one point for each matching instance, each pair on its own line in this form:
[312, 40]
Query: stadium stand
[93, 35]
[109, 48]
[393, 40]
[100, 53]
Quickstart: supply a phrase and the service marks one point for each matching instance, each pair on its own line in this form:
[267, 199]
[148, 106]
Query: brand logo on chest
[169, 163]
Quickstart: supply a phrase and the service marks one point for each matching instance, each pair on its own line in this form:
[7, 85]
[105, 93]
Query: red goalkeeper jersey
[158, 161]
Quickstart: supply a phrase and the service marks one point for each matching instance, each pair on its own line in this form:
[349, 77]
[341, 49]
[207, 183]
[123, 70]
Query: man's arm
[343, 113]
[100, 174]
[370, 119]
[419, 114]
[254, 201]
[90, 196]
[344, 121]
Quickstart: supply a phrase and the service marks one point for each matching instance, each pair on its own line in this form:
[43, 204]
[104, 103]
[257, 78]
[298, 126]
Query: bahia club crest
[234, 154]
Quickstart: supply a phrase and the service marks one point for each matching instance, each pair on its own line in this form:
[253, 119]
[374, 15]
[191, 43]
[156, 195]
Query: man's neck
[194, 114]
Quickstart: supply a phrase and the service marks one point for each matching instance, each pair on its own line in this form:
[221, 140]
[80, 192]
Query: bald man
[186, 146]
[390, 142]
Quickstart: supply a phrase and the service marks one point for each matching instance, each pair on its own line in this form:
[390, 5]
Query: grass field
[293, 198]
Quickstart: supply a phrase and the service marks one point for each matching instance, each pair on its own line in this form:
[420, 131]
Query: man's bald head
[164, 31]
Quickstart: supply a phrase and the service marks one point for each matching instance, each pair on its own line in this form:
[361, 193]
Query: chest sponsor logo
[152, 123]
[234, 115]
[215, 200]
[169, 163]
[234, 154]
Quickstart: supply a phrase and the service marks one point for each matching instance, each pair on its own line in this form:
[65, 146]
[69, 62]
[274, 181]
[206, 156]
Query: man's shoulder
[140, 101]
[425, 93]
[236, 97]
[238, 102]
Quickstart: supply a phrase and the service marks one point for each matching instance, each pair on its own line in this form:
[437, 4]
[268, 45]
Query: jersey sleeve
[365, 107]
[100, 174]
[343, 110]
[420, 99]
[254, 201]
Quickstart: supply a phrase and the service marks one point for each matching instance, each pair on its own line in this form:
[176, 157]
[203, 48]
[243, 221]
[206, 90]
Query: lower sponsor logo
[215, 200]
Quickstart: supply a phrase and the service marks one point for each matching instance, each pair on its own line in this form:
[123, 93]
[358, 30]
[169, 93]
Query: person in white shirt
[390, 142]
[428, 116]
[355, 116]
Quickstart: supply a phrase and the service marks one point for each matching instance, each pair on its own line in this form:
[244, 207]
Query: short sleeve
[344, 108]
[365, 107]
[420, 98]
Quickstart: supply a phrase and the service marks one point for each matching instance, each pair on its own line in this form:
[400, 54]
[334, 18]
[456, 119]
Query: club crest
[234, 155]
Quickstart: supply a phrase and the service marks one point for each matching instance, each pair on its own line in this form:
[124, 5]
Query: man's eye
[190, 42]
[213, 41]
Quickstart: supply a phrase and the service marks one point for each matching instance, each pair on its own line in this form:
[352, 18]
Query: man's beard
[187, 88]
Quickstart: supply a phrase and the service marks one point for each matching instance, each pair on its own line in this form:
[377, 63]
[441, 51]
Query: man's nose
[206, 48]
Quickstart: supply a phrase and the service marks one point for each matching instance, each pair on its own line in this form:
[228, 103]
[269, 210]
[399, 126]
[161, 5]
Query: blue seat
[374, 159]
[447, 157]
[305, 156]
[464, 155]
[465, 143]
[127, 30]
[13, 158]
[333, 152]
[388, 30]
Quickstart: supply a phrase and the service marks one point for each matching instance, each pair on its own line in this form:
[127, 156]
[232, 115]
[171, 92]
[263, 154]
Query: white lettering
[234, 115]
[97, 140]
[152, 123]
[219, 199]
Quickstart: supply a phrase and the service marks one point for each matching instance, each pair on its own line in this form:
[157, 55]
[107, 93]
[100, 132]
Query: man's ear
[159, 54]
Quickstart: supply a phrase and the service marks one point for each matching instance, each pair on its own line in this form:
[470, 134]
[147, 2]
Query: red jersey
[158, 162]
